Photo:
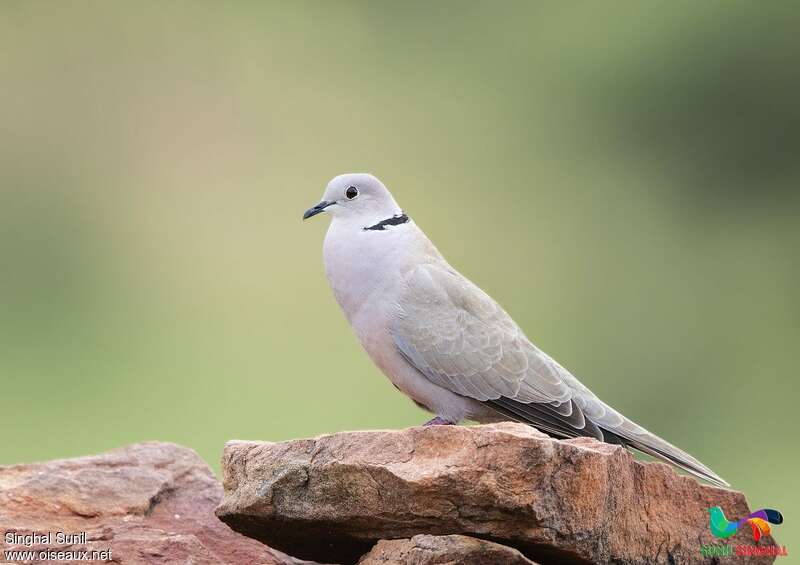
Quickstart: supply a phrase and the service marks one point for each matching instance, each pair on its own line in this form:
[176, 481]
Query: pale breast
[366, 268]
[368, 273]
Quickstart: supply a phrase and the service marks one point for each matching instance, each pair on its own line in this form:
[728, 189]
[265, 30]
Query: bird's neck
[362, 263]
[394, 220]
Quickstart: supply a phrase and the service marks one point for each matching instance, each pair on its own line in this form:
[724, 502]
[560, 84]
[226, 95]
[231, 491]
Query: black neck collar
[393, 221]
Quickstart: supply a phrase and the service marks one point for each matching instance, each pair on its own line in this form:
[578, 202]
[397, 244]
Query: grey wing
[462, 340]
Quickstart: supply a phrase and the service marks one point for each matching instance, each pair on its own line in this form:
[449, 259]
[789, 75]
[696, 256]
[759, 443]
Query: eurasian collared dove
[444, 342]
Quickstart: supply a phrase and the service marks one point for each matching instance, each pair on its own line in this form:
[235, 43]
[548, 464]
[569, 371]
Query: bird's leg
[437, 421]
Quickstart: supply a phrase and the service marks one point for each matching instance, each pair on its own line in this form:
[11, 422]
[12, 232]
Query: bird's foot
[437, 421]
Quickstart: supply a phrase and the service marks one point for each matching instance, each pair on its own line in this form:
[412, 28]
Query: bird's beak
[314, 210]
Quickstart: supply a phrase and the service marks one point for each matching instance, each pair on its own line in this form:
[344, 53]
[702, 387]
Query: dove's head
[359, 197]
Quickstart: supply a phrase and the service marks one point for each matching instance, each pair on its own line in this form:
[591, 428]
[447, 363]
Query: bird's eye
[351, 192]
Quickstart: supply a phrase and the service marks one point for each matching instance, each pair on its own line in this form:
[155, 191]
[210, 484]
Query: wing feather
[462, 340]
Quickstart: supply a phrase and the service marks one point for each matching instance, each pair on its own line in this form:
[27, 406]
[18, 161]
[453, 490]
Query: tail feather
[547, 419]
[660, 449]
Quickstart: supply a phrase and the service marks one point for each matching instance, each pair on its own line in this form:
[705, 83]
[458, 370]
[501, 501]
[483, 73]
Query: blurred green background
[622, 177]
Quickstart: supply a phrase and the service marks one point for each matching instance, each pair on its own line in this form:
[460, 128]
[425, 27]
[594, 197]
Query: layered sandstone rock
[333, 497]
[142, 504]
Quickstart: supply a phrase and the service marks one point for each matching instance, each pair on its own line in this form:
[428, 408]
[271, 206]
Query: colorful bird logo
[759, 522]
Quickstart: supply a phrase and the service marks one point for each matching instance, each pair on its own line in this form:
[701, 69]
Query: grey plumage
[443, 341]
[462, 340]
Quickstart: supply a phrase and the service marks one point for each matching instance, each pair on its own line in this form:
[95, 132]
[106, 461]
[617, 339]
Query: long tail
[657, 447]
[575, 419]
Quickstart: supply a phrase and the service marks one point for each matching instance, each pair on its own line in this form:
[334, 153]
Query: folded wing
[462, 340]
